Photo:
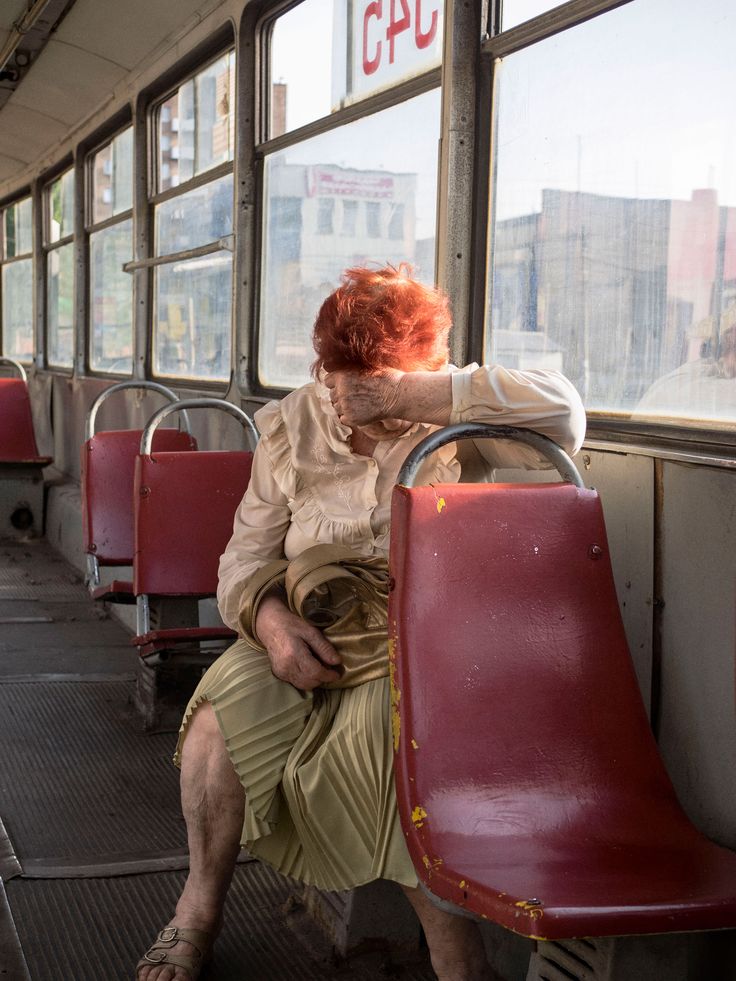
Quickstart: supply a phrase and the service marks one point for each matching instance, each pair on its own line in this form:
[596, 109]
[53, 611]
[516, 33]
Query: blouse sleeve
[262, 518]
[537, 399]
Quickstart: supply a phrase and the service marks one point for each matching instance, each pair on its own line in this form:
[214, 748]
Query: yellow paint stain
[462, 883]
[533, 909]
[418, 815]
[441, 503]
[395, 699]
[431, 863]
[414, 744]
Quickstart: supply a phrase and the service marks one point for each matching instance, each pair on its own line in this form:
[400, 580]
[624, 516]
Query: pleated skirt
[317, 768]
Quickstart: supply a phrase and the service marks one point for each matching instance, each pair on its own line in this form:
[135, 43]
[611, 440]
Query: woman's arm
[299, 653]
[536, 399]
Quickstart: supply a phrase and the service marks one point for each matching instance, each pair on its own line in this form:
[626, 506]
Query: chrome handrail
[145, 385]
[17, 365]
[234, 410]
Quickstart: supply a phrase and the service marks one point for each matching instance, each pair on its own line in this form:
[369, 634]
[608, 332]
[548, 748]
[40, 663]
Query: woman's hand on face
[361, 398]
[299, 653]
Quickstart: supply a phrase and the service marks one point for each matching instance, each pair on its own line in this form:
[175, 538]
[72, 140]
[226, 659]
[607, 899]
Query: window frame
[152, 99]
[22, 195]
[687, 441]
[265, 17]
[47, 247]
[90, 227]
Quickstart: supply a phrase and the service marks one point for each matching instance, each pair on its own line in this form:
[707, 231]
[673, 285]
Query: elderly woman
[274, 754]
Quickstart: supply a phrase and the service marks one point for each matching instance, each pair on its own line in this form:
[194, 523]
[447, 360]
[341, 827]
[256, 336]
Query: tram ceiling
[55, 70]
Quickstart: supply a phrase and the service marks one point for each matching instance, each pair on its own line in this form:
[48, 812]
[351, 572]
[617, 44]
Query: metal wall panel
[698, 716]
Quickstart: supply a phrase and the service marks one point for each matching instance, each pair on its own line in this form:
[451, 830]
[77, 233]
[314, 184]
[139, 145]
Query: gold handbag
[342, 593]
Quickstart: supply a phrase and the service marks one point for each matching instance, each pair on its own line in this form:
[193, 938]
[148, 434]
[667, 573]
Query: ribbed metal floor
[89, 810]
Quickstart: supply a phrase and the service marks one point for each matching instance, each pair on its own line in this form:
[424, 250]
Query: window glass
[60, 197]
[192, 317]
[613, 239]
[111, 299]
[60, 306]
[17, 309]
[199, 216]
[518, 11]
[112, 177]
[326, 54]
[195, 125]
[331, 202]
[18, 222]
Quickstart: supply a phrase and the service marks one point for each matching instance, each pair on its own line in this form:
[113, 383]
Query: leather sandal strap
[160, 951]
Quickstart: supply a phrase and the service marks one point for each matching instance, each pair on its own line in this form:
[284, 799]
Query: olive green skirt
[317, 768]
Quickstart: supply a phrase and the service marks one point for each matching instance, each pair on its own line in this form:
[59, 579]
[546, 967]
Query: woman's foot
[181, 950]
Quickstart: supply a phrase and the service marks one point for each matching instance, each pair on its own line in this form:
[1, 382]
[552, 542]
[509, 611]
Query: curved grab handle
[17, 365]
[479, 430]
[234, 410]
[146, 385]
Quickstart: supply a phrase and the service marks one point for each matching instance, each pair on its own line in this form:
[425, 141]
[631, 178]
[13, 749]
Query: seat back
[185, 504]
[108, 466]
[17, 439]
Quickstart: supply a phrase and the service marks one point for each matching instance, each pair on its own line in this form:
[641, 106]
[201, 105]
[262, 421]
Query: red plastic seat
[185, 505]
[108, 464]
[107, 468]
[530, 787]
[17, 439]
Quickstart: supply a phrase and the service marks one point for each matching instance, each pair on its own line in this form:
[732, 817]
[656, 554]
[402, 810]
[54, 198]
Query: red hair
[382, 318]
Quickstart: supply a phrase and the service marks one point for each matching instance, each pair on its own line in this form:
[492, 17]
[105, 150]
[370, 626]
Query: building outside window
[359, 190]
[16, 280]
[193, 225]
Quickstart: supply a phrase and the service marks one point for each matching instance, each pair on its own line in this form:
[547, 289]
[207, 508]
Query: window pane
[60, 306]
[324, 57]
[17, 309]
[112, 177]
[196, 128]
[60, 196]
[18, 228]
[518, 11]
[111, 299]
[199, 216]
[614, 238]
[332, 202]
[192, 318]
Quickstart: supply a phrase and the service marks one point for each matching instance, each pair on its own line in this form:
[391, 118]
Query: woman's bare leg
[455, 944]
[213, 803]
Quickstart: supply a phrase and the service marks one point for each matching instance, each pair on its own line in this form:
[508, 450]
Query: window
[110, 245]
[518, 11]
[353, 190]
[193, 225]
[613, 237]
[16, 280]
[59, 249]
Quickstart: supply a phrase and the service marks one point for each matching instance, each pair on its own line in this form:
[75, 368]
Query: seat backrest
[511, 667]
[185, 504]
[108, 467]
[17, 440]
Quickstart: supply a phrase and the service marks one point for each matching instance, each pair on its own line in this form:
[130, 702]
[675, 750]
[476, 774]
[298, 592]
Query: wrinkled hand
[299, 653]
[361, 398]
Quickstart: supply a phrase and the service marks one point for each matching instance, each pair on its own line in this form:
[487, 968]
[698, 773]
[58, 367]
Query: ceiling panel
[103, 27]
[27, 133]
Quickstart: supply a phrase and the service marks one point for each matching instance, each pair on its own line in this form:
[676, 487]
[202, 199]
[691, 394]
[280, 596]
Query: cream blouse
[308, 487]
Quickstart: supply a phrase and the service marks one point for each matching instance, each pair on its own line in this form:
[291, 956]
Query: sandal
[194, 963]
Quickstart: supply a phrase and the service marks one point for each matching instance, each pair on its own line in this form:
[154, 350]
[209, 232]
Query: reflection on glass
[197, 217]
[18, 220]
[364, 193]
[60, 306]
[192, 318]
[112, 177]
[325, 54]
[196, 128]
[518, 11]
[17, 309]
[111, 299]
[60, 197]
[613, 241]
